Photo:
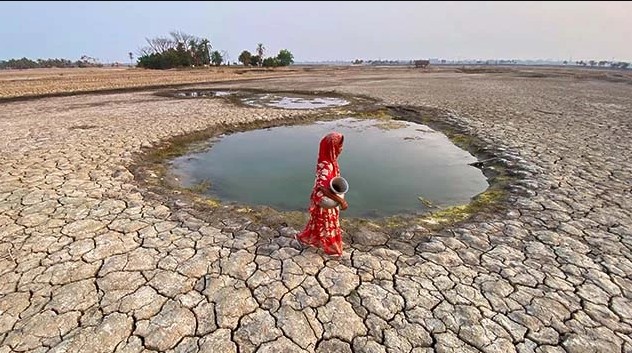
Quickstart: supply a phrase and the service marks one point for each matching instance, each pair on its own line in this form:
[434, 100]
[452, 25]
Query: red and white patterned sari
[323, 229]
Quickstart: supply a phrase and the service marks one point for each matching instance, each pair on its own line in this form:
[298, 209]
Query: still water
[392, 167]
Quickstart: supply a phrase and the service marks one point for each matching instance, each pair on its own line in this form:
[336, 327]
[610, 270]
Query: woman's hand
[342, 202]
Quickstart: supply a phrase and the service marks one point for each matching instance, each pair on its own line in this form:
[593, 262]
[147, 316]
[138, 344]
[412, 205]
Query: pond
[393, 167]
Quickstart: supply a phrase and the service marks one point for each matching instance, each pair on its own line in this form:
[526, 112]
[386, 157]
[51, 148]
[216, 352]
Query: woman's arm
[327, 192]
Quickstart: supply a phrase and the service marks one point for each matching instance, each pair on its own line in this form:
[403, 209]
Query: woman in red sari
[323, 229]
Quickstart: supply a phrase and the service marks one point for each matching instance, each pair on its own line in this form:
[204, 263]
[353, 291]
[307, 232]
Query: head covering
[330, 148]
[323, 228]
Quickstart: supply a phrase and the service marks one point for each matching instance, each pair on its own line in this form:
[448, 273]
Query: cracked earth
[90, 263]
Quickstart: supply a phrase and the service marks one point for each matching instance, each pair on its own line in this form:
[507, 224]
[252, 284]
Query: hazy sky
[325, 31]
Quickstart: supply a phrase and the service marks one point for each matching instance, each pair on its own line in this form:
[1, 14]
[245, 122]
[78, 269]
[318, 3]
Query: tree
[226, 57]
[203, 51]
[271, 62]
[181, 37]
[131, 58]
[254, 60]
[216, 58]
[182, 56]
[260, 51]
[87, 61]
[245, 57]
[285, 57]
[158, 45]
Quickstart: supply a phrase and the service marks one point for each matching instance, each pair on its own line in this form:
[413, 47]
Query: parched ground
[90, 263]
[39, 82]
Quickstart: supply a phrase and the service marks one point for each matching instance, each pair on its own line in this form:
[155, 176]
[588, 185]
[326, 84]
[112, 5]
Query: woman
[323, 229]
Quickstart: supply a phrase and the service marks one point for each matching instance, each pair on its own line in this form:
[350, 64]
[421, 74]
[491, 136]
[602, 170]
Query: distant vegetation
[178, 50]
[26, 63]
[603, 63]
[589, 63]
[184, 50]
[284, 58]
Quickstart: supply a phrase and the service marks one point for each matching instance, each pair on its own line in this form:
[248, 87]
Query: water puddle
[273, 100]
[293, 102]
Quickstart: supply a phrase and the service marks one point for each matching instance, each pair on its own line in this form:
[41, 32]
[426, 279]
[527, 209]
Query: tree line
[176, 50]
[284, 58]
[602, 63]
[25, 63]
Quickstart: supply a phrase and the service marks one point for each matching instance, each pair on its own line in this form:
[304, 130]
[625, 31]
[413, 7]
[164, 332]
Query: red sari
[323, 229]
